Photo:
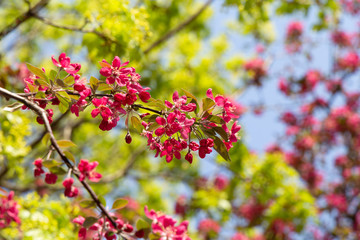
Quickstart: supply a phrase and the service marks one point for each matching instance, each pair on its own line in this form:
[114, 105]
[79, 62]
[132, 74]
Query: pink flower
[9, 210]
[165, 226]
[349, 62]
[38, 171]
[231, 109]
[64, 62]
[70, 190]
[221, 182]
[180, 103]
[205, 147]
[209, 226]
[86, 169]
[50, 178]
[101, 107]
[294, 30]
[240, 236]
[337, 201]
[256, 68]
[341, 38]
[115, 72]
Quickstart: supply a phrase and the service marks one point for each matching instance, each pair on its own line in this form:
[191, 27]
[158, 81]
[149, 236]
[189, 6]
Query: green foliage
[43, 218]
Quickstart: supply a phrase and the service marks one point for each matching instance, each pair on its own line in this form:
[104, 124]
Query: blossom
[70, 190]
[115, 71]
[165, 226]
[50, 178]
[180, 103]
[86, 169]
[209, 226]
[38, 170]
[338, 201]
[9, 210]
[64, 62]
[221, 182]
[205, 147]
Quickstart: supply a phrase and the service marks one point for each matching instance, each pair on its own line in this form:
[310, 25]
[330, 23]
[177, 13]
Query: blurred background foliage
[173, 45]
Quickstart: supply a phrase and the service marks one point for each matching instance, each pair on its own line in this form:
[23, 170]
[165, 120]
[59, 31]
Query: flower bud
[128, 138]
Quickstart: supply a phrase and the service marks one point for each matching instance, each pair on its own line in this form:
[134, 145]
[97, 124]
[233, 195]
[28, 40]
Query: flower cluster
[164, 226]
[293, 37]
[256, 69]
[9, 210]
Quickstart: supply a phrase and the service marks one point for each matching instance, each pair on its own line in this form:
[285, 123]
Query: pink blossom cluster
[256, 68]
[293, 40]
[9, 210]
[164, 226]
[103, 229]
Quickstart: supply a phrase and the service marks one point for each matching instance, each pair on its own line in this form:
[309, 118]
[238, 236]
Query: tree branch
[42, 113]
[23, 18]
[76, 29]
[178, 28]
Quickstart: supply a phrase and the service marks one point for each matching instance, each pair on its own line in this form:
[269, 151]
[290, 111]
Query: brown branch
[42, 113]
[178, 28]
[23, 18]
[76, 29]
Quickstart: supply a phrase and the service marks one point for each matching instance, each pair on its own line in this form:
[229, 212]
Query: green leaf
[61, 83]
[70, 80]
[104, 87]
[45, 140]
[51, 163]
[63, 107]
[207, 103]
[156, 103]
[41, 82]
[102, 200]
[69, 156]
[222, 133]
[63, 97]
[150, 118]
[37, 71]
[53, 74]
[94, 82]
[40, 94]
[120, 203]
[89, 221]
[215, 119]
[66, 143]
[87, 203]
[220, 147]
[153, 126]
[142, 224]
[58, 170]
[33, 88]
[135, 122]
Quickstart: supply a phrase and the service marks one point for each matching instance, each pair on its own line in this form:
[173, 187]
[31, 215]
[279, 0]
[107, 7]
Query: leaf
[70, 80]
[66, 143]
[142, 224]
[150, 118]
[102, 200]
[156, 103]
[119, 203]
[69, 156]
[189, 95]
[153, 126]
[89, 221]
[41, 82]
[94, 82]
[13, 107]
[33, 88]
[51, 163]
[207, 103]
[220, 147]
[61, 83]
[40, 94]
[153, 236]
[222, 133]
[104, 87]
[58, 170]
[135, 122]
[45, 140]
[37, 71]
[87, 203]
[105, 64]
[63, 108]
[215, 119]
[53, 74]
[63, 97]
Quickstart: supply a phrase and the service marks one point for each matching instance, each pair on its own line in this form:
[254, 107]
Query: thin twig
[178, 28]
[76, 29]
[23, 18]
